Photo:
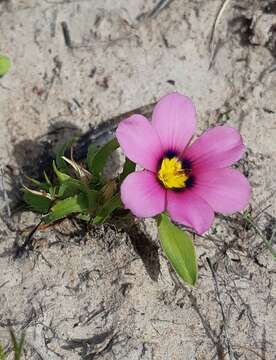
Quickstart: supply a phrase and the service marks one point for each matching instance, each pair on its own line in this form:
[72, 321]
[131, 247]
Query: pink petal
[216, 148]
[142, 194]
[225, 190]
[140, 142]
[189, 209]
[174, 118]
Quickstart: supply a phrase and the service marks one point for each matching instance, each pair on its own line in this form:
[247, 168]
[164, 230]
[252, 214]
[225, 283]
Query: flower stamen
[171, 173]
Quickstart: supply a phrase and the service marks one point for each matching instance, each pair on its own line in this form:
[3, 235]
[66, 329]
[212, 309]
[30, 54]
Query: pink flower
[190, 182]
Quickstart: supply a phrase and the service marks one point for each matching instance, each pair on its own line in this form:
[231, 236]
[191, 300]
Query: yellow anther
[171, 174]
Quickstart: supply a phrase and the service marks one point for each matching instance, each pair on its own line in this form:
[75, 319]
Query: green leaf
[60, 175]
[61, 164]
[79, 170]
[5, 65]
[92, 197]
[41, 185]
[47, 178]
[128, 168]
[97, 162]
[38, 203]
[17, 346]
[44, 186]
[73, 187]
[113, 204]
[179, 249]
[69, 188]
[92, 150]
[68, 206]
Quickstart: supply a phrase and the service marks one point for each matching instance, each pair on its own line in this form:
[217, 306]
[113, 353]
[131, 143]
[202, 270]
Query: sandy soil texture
[109, 293]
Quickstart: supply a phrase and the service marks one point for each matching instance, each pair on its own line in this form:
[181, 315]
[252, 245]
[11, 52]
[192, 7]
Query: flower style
[190, 182]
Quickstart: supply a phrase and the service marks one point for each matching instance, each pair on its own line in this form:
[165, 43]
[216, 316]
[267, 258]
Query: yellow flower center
[171, 174]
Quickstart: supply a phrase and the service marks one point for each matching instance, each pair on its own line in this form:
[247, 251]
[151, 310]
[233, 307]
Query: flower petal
[174, 118]
[142, 194]
[189, 209]
[216, 148]
[225, 190]
[140, 141]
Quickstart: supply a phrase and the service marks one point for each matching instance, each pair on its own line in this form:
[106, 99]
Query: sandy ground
[109, 293]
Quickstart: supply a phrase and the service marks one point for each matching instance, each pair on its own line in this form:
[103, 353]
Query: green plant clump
[81, 190]
[78, 189]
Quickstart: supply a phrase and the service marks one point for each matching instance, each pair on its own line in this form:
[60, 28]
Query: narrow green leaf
[92, 150]
[18, 352]
[128, 168]
[113, 204]
[52, 191]
[37, 202]
[47, 178]
[179, 249]
[97, 162]
[51, 188]
[39, 184]
[60, 162]
[60, 175]
[81, 173]
[17, 346]
[5, 65]
[92, 197]
[68, 206]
